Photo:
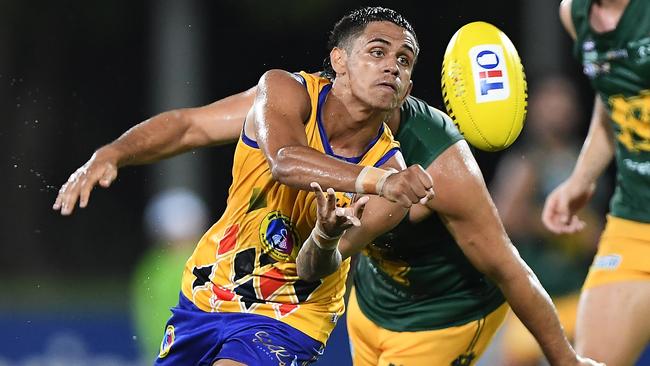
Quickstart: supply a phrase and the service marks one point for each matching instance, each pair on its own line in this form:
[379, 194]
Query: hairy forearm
[598, 148]
[314, 263]
[156, 138]
[534, 307]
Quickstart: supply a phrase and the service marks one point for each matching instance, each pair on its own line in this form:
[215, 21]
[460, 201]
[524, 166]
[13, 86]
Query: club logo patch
[278, 237]
[168, 340]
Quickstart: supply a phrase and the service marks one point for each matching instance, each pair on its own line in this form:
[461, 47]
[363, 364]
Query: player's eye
[404, 61]
[377, 53]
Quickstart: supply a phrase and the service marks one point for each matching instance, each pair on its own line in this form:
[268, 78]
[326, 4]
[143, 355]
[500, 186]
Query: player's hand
[101, 168]
[583, 361]
[561, 206]
[332, 220]
[408, 187]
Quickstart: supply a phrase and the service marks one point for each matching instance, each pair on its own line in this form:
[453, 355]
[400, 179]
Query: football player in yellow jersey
[245, 299]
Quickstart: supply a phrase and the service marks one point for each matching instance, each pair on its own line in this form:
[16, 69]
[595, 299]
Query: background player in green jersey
[612, 44]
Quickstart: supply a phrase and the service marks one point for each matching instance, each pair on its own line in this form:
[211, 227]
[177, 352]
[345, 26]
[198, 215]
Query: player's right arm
[559, 214]
[166, 134]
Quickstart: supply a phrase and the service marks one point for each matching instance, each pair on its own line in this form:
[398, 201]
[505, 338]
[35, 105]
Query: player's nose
[390, 67]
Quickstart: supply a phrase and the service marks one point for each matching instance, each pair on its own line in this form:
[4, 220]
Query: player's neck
[604, 17]
[350, 126]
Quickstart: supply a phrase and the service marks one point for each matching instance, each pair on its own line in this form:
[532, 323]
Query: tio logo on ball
[489, 73]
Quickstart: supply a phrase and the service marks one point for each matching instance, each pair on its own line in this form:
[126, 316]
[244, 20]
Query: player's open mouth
[389, 85]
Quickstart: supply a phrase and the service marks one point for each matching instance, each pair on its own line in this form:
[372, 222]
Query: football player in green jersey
[612, 44]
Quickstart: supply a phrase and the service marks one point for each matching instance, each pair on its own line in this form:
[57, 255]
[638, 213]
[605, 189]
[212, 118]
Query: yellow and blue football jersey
[246, 261]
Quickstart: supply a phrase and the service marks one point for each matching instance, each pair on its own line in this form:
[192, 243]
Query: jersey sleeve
[424, 132]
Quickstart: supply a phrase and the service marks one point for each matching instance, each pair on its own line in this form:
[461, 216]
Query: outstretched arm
[166, 134]
[464, 204]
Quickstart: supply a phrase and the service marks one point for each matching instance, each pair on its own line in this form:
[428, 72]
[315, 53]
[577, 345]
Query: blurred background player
[174, 220]
[525, 175]
[612, 45]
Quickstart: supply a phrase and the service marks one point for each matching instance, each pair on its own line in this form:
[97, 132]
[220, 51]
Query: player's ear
[338, 57]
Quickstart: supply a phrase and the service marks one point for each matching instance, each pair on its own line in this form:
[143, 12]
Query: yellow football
[484, 86]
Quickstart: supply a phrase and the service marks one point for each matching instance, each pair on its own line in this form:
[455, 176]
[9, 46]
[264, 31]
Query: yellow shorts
[376, 346]
[623, 253]
[520, 347]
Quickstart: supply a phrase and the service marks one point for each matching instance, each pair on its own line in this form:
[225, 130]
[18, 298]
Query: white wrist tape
[371, 180]
[323, 240]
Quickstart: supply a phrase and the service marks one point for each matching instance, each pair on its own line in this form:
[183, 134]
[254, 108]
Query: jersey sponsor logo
[334, 317]
[642, 168]
[489, 73]
[278, 238]
[593, 69]
[281, 354]
[610, 261]
[167, 341]
[588, 45]
[632, 117]
[641, 48]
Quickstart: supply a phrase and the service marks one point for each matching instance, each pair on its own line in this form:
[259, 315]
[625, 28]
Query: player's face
[380, 64]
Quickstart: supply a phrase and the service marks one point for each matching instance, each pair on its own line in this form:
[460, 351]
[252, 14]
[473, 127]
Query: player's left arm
[341, 232]
[464, 204]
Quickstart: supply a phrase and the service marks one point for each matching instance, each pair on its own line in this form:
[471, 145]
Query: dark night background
[76, 74]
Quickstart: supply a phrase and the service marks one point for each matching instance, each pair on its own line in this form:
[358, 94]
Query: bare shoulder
[455, 173]
[565, 17]
[280, 79]
[456, 160]
[282, 88]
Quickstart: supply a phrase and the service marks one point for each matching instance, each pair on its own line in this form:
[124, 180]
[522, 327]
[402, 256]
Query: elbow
[508, 269]
[184, 125]
[283, 165]
[182, 117]
[500, 261]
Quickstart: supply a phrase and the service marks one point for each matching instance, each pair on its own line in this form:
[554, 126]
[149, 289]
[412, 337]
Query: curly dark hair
[354, 23]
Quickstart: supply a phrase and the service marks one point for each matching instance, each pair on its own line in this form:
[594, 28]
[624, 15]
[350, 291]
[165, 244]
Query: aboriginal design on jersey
[246, 262]
[632, 116]
[255, 278]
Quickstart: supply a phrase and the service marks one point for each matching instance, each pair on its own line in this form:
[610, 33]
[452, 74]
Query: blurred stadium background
[76, 74]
